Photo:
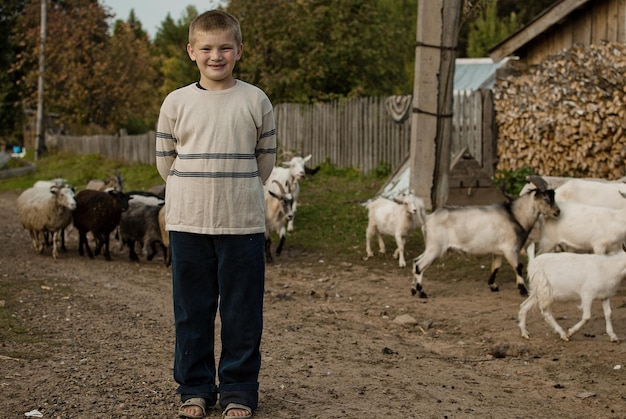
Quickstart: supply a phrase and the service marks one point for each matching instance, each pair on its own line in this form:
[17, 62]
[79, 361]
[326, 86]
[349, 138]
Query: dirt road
[94, 339]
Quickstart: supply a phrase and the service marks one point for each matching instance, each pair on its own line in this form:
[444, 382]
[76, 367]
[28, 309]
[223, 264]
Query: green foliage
[489, 29]
[512, 182]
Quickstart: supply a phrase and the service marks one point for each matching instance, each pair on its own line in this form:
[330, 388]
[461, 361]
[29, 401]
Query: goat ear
[624, 246]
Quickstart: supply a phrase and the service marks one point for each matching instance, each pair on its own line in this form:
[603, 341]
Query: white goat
[46, 210]
[556, 181]
[570, 276]
[499, 229]
[397, 217]
[289, 176]
[582, 228]
[278, 212]
[605, 194]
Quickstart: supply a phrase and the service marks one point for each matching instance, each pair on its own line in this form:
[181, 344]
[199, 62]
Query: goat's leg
[420, 264]
[496, 263]
[523, 312]
[585, 304]
[399, 253]
[606, 307]
[268, 249]
[281, 242]
[518, 267]
[546, 312]
[369, 233]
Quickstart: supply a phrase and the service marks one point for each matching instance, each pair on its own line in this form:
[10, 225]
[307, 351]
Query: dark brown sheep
[100, 213]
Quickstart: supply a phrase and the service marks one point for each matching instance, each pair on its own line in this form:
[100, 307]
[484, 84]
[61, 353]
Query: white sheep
[115, 183]
[289, 176]
[44, 210]
[499, 229]
[397, 217]
[572, 276]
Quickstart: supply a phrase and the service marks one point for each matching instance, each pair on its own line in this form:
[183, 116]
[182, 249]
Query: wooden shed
[564, 24]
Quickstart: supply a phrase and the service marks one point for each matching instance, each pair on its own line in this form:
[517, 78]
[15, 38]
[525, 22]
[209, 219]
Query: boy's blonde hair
[215, 20]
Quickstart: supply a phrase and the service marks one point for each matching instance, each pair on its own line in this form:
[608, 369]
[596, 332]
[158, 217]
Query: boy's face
[215, 54]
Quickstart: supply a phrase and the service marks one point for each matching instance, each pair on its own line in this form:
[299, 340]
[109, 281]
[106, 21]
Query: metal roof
[475, 73]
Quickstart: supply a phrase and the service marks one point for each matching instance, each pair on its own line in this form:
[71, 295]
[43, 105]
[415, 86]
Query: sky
[152, 12]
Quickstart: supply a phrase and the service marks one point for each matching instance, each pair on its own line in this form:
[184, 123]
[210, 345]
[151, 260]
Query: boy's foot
[234, 410]
[194, 408]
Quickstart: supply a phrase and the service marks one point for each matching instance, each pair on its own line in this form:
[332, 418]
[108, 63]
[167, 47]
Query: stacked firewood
[566, 117]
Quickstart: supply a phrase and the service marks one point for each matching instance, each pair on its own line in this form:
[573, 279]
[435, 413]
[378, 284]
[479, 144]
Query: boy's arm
[165, 146]
[266, 147]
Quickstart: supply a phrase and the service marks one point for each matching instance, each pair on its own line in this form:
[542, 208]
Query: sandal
[195, 402]
[232, 406]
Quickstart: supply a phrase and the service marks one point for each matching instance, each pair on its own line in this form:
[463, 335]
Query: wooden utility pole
[40, 147]
[431, 123]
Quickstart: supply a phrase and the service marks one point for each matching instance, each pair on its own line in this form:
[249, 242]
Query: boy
[215, 147]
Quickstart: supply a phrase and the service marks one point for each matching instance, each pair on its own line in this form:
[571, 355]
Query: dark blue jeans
[211, 272]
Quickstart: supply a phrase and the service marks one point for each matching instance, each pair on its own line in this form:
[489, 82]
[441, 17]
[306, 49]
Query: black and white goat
[278, 212]
[572, 276]
[397, 217]
[499, 229]
[289, 176]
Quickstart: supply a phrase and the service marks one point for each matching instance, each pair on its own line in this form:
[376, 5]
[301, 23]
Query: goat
[395, 217]
[278, 212]
[568, 276]
[499, 229]
[605, 194]
[289, 176]
[115, 182]
[140, 223]
[44, 210]
[582, 228]
[98, 212]
[165, 237]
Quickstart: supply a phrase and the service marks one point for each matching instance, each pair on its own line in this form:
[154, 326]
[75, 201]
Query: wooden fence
[362, 133]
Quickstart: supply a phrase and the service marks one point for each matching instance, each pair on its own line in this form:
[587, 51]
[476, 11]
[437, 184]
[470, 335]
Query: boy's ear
[192, 54]
[240, 51]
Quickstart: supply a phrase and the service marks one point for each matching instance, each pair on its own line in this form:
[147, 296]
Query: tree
[171, 45]
[94, 81]
[319, 50]
[11, 114]
[489, 29]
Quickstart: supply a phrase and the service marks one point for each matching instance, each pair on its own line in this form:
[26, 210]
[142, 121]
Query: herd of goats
[573, 231]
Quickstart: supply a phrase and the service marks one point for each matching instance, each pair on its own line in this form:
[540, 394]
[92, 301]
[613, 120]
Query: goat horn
[280, 186]
[538, 181]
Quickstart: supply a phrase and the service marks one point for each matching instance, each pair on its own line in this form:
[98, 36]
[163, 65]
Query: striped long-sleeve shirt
[215, 149]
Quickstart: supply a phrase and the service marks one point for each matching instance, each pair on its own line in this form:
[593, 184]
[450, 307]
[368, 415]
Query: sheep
[498, 229]
[46, 210]
[46, 184]
[569, 276]
[98, 212]
[395, 217]
[278, 212]
[115, 182]
[140, 223]
[165, 237]
[289, 176]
